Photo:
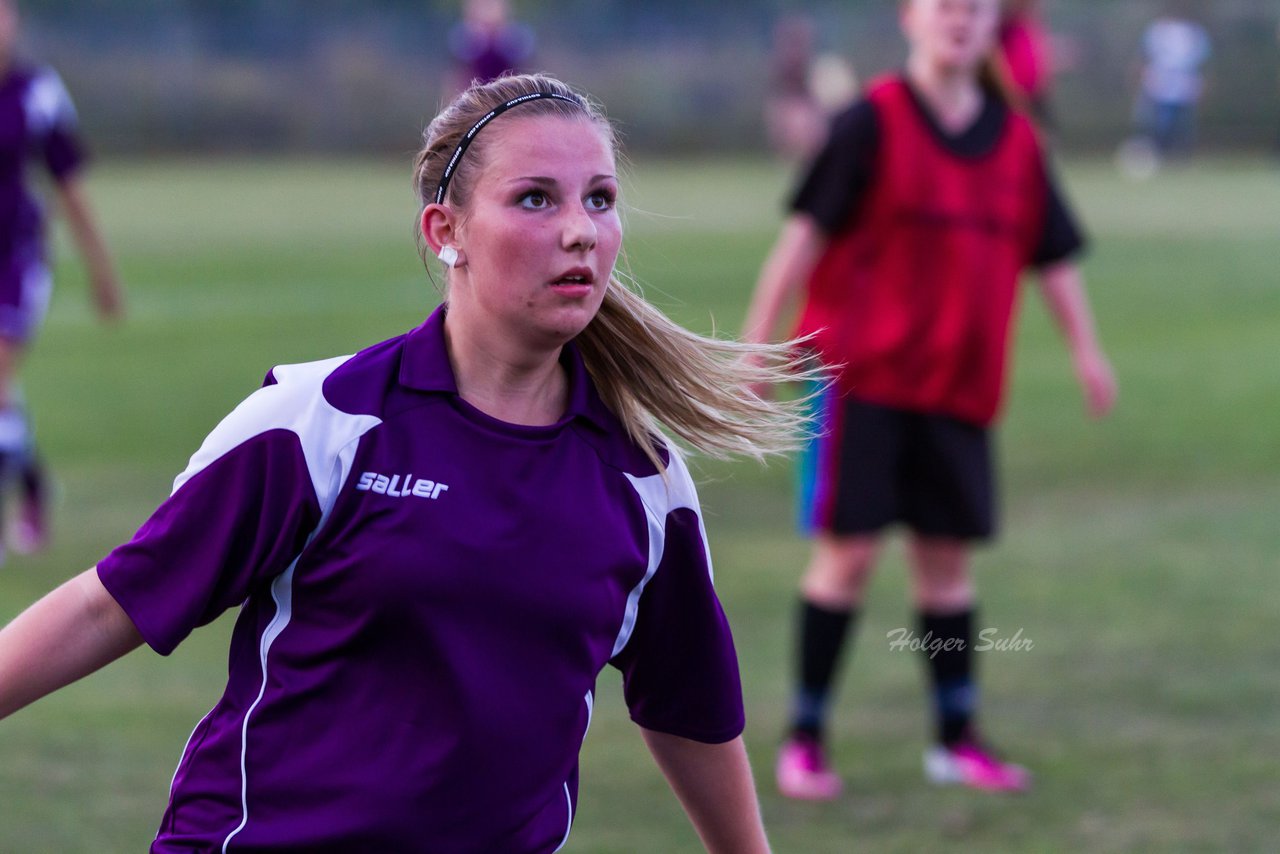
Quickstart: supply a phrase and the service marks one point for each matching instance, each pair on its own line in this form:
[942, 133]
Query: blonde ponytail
[655, 374]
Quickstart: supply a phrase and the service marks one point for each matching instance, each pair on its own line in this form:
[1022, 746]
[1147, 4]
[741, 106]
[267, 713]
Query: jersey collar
[982, 135]
[424, 366]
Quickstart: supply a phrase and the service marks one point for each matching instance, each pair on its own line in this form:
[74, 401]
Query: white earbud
[448, 256]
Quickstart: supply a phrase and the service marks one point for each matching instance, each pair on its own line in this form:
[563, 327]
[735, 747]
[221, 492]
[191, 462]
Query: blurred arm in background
[88, 239]
[783, 275]
[1064, 293]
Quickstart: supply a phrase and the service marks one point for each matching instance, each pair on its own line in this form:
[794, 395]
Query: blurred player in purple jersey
[37, 122]
[487, 44]
[438, 543]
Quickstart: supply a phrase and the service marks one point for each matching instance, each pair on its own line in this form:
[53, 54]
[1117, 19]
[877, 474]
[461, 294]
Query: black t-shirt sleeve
[837, 180]
[1062, 237]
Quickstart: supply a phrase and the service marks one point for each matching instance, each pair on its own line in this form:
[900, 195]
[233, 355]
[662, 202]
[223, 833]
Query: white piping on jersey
[328, 438]
[568, 805]
[282, 593]
[568, 799]
[660, 497]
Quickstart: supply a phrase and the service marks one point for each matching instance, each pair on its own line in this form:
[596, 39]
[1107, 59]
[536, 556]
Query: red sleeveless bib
[915, 297]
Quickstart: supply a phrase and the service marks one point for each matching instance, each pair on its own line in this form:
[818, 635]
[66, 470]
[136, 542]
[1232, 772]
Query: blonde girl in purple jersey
[37, 121]
[438, 543]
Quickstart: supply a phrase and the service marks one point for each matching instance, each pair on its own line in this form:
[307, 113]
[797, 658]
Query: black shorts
[873, 466]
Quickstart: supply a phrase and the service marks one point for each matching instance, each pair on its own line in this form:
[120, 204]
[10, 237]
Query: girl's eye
[534, 200]
[600, 201]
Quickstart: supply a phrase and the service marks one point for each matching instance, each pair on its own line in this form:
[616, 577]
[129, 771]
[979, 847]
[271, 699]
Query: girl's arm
[713, 783]
[71, 632]
[1063, 289]
[792, 258]
[84, 230]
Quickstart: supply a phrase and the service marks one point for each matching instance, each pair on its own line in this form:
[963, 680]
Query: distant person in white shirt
[1175, 49]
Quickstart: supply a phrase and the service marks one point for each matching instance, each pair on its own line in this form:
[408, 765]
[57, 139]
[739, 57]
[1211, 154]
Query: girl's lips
[575, 283]
[572, 288]
[575, 276]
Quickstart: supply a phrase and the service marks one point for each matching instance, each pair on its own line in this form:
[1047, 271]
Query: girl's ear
[437, 226]
[439, 230]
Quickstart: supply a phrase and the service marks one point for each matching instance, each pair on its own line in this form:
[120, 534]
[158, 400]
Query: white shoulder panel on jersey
[660, 496]
[296, 403]
[47, 103]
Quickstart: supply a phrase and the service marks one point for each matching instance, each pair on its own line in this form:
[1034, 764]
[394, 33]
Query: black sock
[10, 463]
[33, 478]
[948, 649]
[822, 634]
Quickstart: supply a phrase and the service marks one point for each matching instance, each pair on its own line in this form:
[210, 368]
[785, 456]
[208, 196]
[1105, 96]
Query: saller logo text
[371, 481]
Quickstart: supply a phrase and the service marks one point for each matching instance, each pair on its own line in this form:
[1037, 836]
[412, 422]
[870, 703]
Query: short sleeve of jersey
[1062, 237]
[230, 528]
[680, 669]
[51, 116]
[838, 178]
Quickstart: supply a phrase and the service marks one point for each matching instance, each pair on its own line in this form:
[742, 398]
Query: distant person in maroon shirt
[1026, 54]
[437, 544]
[907, 239]
[795, 121]
[37, 124]
[805, 89]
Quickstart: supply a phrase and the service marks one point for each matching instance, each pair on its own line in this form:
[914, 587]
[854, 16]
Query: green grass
[1139, 554]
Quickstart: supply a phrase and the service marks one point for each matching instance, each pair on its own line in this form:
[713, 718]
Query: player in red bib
[908, 237]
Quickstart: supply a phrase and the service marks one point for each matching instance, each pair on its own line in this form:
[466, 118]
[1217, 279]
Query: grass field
[1140, 555]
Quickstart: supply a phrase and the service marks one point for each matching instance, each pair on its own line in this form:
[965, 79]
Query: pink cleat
[30, 533]
[803, 772]
[970, 764]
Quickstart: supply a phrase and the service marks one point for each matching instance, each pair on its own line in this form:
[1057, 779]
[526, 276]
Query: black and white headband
[484, 120]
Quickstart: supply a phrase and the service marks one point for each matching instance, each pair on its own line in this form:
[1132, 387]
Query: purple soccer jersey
[428, 597]
[488, 54]
[37, 121]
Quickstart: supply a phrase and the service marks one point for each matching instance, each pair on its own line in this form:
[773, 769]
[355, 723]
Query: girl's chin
[563, 326]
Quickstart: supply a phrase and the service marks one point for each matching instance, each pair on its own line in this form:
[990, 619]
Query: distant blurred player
[908, 237]
[37, 122]
[486, 44]
[1026, 53]
[805, 90]
[794, 120]
[1174, 49]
